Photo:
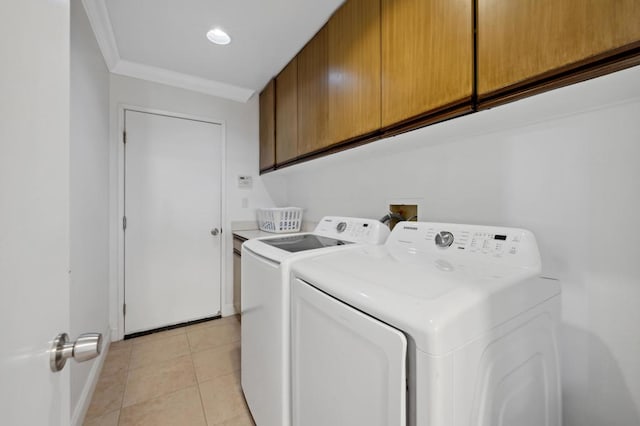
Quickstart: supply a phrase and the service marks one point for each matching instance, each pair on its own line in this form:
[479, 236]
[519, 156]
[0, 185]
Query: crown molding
[184, 81]
[101, 24]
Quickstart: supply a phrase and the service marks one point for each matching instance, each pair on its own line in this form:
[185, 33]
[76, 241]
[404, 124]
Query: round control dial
[444, 239]
[341, 227]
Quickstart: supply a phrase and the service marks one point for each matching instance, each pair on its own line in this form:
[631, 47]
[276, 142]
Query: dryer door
[347, 367]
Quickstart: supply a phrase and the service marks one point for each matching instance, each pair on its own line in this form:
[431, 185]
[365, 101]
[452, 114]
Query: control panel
[511, 245]
[478, 241]
[357, 230]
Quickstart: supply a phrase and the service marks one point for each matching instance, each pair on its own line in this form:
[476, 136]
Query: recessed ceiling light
[218, 36]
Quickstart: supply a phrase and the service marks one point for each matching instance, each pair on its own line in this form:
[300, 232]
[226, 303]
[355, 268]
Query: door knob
[215, 231]
[88, 346]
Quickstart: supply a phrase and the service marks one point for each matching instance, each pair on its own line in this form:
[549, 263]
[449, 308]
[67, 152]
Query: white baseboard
[115, 336]
[228, 310]
[82, 406]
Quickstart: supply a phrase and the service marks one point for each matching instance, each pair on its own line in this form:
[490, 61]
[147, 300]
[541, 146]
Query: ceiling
[164, 40]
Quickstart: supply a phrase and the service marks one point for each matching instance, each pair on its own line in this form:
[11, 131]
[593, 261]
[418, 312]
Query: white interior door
[172, 203]
[347, 367]
[34, 210]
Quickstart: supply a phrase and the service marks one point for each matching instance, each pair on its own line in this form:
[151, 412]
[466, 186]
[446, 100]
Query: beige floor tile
[158, 350]
[243, 420]
[216, 362]
[159, 379]
[109, 419]
[175, 409]
[201, 325]
[222, 399]
[157, 336]
[117, 361]
[108, 394]
[230, 319]
[219, 321]
[214, 336]
[120, 344]
[236, 374]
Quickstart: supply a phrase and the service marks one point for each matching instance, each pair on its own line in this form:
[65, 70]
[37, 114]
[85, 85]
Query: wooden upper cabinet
[354, 70]
[313, 94]
[427, 56]
[287, 113]
[268, 126]
[521, 41]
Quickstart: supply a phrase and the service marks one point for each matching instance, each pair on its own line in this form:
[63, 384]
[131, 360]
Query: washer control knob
[341, 227]
[444, 239]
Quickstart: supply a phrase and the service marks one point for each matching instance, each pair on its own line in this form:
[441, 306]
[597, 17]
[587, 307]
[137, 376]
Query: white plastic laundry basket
[280, 219]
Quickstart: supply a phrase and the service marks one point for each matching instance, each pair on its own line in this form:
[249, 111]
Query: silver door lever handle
[88, 346]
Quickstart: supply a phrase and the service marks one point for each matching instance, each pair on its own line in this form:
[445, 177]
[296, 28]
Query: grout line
[155, 363]
[204, 412]
[155, 337]
[126, 381]
[155, 398]
[197, 383]
[152, 342]
[190, 346]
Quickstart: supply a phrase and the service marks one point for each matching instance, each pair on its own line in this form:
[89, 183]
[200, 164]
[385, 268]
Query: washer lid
[332, 232]
[296, 243]
[441, 298]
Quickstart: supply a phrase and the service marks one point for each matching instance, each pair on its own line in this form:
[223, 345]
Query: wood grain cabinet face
[427, 56]
[268, 126]
[313, 94]
[287, 113]
[354, 70]
[524, 39]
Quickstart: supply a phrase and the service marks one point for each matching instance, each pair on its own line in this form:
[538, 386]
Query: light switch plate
[245, 182]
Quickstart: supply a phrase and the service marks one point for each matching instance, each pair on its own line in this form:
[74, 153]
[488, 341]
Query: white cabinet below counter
[240, 237]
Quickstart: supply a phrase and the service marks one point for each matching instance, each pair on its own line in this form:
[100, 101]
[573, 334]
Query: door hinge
[124, 137]
[124, 223]
[124, 309]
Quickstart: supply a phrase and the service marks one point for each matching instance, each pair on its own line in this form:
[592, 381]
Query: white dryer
[265, 361]
[444, 325]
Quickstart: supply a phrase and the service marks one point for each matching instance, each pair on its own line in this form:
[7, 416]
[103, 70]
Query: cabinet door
[313, 94]
[287, 113]
[524, 39]
[354, 69]
[427, 56]
[268, 126]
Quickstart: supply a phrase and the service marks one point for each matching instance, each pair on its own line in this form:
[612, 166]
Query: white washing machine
[444, 325]
[265, 354]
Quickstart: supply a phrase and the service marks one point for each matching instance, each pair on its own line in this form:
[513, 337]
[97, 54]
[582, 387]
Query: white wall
[564, 164]
[241, 123]
[89, 200]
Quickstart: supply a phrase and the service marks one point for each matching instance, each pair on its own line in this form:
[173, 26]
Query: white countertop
[249, 230]
[252, 233]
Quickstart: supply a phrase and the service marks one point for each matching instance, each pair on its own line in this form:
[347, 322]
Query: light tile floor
[186, 376]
